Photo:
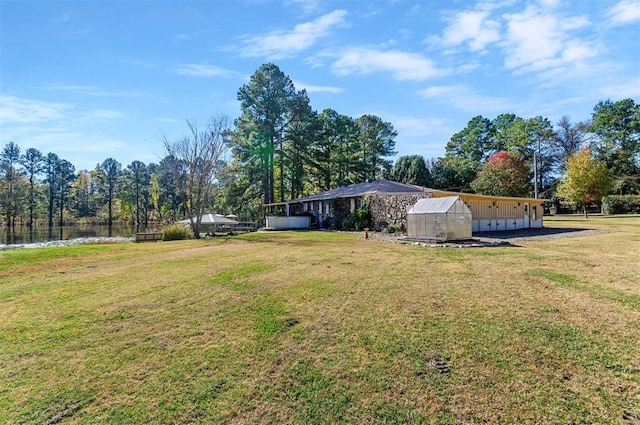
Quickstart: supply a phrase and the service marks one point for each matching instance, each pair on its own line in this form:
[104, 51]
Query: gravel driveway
[510, 237]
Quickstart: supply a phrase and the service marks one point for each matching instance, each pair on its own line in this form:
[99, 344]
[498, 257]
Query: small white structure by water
[213, 223]
[441, 219]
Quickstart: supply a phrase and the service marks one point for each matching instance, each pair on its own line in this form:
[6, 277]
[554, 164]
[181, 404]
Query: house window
[358, 203]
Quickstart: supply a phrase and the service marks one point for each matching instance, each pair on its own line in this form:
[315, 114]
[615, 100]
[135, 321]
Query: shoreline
[67, 242]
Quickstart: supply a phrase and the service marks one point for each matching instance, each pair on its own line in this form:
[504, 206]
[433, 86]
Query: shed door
[495, 224]
[527, 222]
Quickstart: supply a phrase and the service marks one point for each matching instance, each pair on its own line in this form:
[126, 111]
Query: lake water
[24, 235]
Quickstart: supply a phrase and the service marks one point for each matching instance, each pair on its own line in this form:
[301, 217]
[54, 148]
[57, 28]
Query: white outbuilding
[442, 219]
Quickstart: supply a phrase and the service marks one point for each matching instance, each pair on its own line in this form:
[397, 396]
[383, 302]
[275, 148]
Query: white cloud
[143, 64]
[537, 40]
[65, 17]
[200, 70]
[81, 31]
[19, 110]
[412, 127]
[64, 141]
[472, 27]
[464, 98]
[317, 89]
[405, 66]
[65, 129]
[101, 115]
[95, 91]
[285, 44]
[549, 3]
[623, 90]
[308, 6]
[192, 35]
[625, 12]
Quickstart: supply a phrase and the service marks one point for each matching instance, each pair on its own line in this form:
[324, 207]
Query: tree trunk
[585, 212]
[51, 201]
[61, 220]
[31, 202]
[281, 169]
[271, 178]
[110, 202]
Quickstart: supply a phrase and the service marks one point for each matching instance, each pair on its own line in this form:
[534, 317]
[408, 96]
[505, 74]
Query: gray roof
[434, 205]
[359, 189]
[212, 219]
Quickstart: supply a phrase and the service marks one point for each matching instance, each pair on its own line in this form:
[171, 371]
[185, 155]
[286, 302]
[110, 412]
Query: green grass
[321, 327]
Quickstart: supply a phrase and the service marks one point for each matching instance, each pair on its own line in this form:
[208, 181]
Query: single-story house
[389, 202]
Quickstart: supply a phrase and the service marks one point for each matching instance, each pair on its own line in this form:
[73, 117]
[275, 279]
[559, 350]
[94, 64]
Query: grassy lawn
[319, 327]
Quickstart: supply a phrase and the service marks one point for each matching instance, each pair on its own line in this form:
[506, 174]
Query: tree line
[283, 149]
[572, 162]
[612, 135]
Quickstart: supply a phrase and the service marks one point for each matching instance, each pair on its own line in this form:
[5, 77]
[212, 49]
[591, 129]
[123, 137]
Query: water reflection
[24, 234]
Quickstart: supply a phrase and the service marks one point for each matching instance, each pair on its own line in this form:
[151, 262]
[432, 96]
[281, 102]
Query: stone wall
[387, 209]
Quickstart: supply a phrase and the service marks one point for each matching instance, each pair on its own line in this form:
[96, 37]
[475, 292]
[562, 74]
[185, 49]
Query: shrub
[347, 223]
[392, 228]
[361, 218]
[176, 232]
[621, 204]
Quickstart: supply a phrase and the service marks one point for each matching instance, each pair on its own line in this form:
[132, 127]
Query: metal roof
[434, 205]
[359, 189]
[212, 219]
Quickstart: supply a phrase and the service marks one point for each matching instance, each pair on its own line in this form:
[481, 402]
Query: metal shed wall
[440, 219]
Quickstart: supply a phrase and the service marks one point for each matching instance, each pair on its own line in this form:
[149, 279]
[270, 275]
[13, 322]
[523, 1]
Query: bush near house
[176, 232]
[621, 204]
[361, 218]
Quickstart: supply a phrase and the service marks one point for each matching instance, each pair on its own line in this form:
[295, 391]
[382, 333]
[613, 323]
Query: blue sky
[89, 80]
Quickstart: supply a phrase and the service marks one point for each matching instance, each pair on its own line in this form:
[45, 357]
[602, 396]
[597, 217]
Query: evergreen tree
[108, 174]
[334, 152]
[411, 169]
[616, 126]
[270, 105]
[474, 142]
[11, 193]
[52, 171]
[453, 173]
[66, 175]
[85, 195]
[376, 140]
[33, 163]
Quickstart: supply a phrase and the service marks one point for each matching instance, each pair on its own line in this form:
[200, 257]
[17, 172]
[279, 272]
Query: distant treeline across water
[24, 234]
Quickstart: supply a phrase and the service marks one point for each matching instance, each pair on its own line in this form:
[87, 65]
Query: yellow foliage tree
[587, 180]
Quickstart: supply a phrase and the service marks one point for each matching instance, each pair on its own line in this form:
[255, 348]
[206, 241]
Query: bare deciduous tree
[198, 158]
[569, 138]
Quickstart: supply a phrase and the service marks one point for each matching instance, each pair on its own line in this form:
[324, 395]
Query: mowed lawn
[322, 327]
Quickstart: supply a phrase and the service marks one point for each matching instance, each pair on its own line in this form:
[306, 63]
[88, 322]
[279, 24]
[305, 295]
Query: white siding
[284, 223]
